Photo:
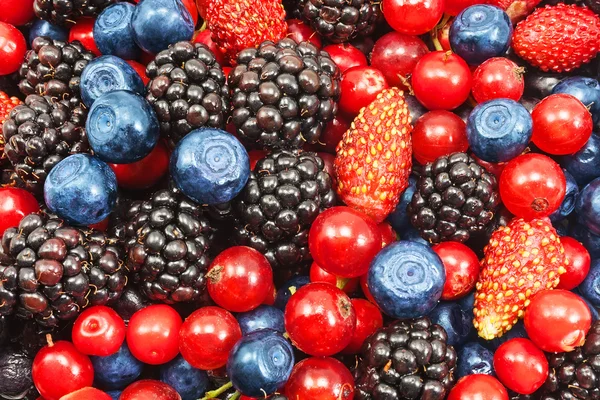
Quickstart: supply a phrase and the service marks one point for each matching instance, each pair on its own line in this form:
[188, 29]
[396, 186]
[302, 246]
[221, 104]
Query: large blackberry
[65, 12]
[283, 93]
[56, 270]
[455, 197]
[285, 193]
[188, 90]
[167, 239]
[39, 134]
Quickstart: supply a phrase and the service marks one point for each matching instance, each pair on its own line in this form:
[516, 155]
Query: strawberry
[558, 38]
[6, 105]
[373, 158]
[520, 260]
[240, 24]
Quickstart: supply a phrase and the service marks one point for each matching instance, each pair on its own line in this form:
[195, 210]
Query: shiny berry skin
[579, 264]
[532, 186]
[364, 285]
[561, 124]
[478, 387]
[438, 133]
[346, 56]
[412, 17]
[441, 80]
[144, 173]
[207, 336]
[59, 369]
[83, 31]
[301, 32]
[368, 320]
[520, 365]
[320, 319]
[388, 234]
[318, 274]
[359, 88]
[395, 55]
[12, 48]
[344, 241]
[153, 334]
[454, 7]
[462, 269]
[140, 69]
[87, 393]
[148, 389]
[498, 78]
[98, 331]
[334, 130]
[16, 12]
[239, 279]
[205, 37]
[322, 378]
[557, 320]
[15, 203]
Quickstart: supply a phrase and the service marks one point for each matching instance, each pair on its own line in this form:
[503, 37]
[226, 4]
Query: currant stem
[235, 396]
[214, 393]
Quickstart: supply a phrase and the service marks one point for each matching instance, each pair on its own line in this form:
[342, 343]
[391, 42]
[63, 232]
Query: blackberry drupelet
[167, 239]
[65, 12]
[283, 94]
[53, 68]
[188, 90]
[58, 270]
[285, 193]
[39, 134]
[341, 20]
[455, 198]
[409, 359]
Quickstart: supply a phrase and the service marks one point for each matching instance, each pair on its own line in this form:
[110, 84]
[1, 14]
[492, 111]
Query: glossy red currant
[16, 12]
[414, 17]
[498, 78]
[87, 393]
[388, 235]
[205, 37]
[478, 387]
[579, 263]
[301, 32]
[318, 274]
[359, 87]
[520, 365]
[144, 173]
[15, 203]
[12, 48]
[462, 269]
[98, 331]
[346, 56]
[438, 133]
[148, 389]
[368, 320]
[83, 31]
[140, 69]
[321, 378]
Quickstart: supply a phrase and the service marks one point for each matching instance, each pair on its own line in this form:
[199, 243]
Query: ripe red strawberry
[558, 38]
[240, 24]
[373, 158]
[6, 105]
[520, 260]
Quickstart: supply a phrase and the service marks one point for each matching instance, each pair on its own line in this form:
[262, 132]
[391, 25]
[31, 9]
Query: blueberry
[41, 27]
[189, 382]
[588, 206]
[517, 331]
[415, 108]
[114, 394]
[210, 166]
[116, 371]
[568, 204]
[122, 127]
[587, 90]
[399, 217]
[412, 235]
[454, 320]
[587, 238]
[590, 287]
[406, 279]
[159, 23]
[81, 189]
[288, 289]
[260, 363]
[585, 164]
[499, 130]
[473, 358]
[539, 84]
[480, 32]
[593, 310]
[467, 303]
[113, 32]
[262, 317]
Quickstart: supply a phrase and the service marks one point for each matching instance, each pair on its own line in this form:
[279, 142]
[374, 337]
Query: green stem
[436, 43]
[214, 393]
[235, 396]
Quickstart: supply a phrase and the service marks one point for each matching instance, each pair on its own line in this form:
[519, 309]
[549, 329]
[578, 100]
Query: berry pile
[299, 199]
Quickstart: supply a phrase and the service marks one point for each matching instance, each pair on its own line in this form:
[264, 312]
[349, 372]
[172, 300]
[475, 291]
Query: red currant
[255, 156]
[557, 320]
[146, 172]
[205, 37]
[388, 235]
[15, 203]
[322, 378]
[153, 333]
[334, 130]
[438, 133]
[454, 7]
[414, 17]
[320, 319]
[359, 87]
[364, 285]
[344, 241]
[98, 331]
[148, 389]
[520, 365]
[478, 387]
[561, 124]
[271, 295]
[346, 56]
[301, 32]
[462, 269]
[498, 78]
[318, 274]
[494, 168]
[87, 393]
[207, 336]
[441, 80]
[579, 264]
[368, 320]
[83, 31]
[12, 48]
[140, 69]
[532, 186]
[16, 12]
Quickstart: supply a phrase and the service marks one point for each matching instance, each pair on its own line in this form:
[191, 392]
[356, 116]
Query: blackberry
[188, 90]
[341, 20]
[167, 240]
[54, 68]
[283, 94]
[39, 134]
[56, 270]
[285, 193]
[409, 359]
[65, 12]
[455, 198]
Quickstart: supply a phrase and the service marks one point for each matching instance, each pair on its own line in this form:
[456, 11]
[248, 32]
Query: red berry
[388, 235]
[368, 320]
[346, 56]
[478, 387]
[520, 365]
[301, 32]
[413, 17]
[255, 156]
[87, 393]
[322, 378]
[359, 88]
[140, 69]
[498, 78]
[441, 80]
[320, 319]
[561, 124]
[364, 285]
[271, 295]
[396, 55]
[59, 369]
[494, 168]
[462, 269]
[15, 203]
[153, 334]
[532, 186]
[205, 37]
[146, 172]
[578, 266]
[438, 133]
[454, 7]
[191, 7]
[557, 320]
[334, 130]
[16, 12]
[207, 336]
[318, 274]
[83, 31]
[148, 389]
[12, 48]
[98, 331]
[343, 241]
